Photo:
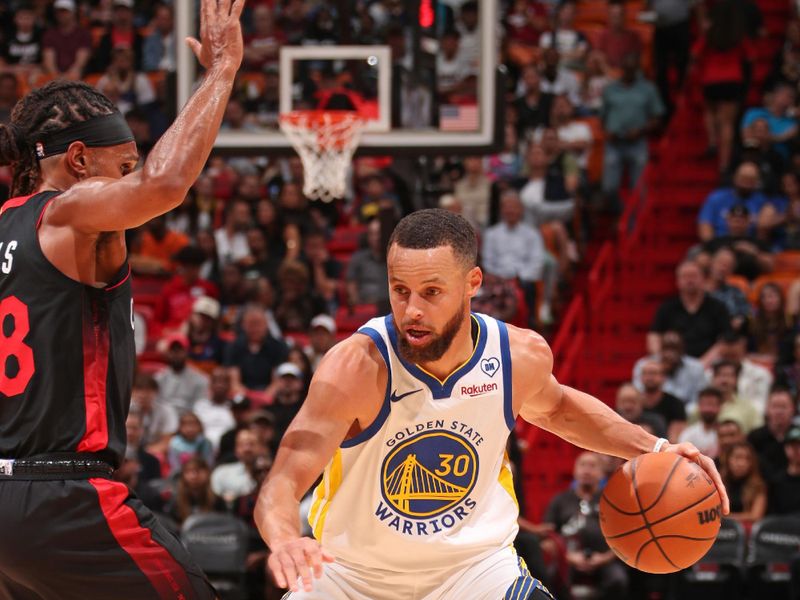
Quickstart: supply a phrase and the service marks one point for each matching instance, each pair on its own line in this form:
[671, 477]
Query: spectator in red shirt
[617, 41]
[723, 59]
[179, 293]
[262, 45]
[66, 48]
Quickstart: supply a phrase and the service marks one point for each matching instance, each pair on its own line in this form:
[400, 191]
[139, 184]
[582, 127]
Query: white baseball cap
[324, 321]
[206, 305]
[288, 368]
[65, 5]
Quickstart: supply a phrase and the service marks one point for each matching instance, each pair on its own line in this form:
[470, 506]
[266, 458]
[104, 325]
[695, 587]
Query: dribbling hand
[300, 558]
[220, 41]
[689, 451]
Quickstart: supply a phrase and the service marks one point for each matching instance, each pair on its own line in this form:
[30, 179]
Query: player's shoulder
[356, 355]
[529, 350]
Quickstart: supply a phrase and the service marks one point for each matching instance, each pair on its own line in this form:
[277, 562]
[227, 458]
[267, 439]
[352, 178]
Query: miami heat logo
[429, 474]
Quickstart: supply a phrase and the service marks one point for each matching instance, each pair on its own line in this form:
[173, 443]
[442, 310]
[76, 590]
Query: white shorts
[501, 576]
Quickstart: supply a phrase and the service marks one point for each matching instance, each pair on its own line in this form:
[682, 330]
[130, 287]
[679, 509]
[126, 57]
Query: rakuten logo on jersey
[477, 390]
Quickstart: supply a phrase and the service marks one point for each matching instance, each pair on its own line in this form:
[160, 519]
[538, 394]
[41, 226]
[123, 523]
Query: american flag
[458, 117]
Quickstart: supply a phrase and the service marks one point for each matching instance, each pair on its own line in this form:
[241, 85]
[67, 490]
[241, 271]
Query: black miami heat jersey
[66, 349]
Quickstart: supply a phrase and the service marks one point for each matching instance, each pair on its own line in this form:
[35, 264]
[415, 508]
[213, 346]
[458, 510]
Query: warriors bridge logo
[429, 474]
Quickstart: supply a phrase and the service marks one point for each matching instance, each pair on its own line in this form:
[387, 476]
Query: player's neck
[459, 352]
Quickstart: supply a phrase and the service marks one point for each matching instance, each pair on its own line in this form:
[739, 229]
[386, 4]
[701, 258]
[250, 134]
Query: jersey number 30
[14, 326]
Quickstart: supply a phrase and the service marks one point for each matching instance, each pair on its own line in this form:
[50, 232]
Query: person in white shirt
[513, 249]
[569, 42]
[180, 385]
[451, 69]
[754, 380]
[231, 239]
[232, 480]
[575, 136]
[703, 434]
[215, 412]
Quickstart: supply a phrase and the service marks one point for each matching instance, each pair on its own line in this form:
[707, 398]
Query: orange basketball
[660, 513]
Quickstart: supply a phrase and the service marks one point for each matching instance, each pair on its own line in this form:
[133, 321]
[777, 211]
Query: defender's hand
[689, 451]
[220, 34]
[297, 559]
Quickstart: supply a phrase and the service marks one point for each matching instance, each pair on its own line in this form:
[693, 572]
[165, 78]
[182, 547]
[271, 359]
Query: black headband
[107, 130]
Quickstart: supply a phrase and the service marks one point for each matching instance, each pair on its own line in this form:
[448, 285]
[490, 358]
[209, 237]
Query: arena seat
[218, 543]
[719, 573]
[350, 319]
[784, 279]
[774, 542]
[787, 261]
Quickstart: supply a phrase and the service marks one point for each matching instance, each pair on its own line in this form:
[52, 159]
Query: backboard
[424, 70]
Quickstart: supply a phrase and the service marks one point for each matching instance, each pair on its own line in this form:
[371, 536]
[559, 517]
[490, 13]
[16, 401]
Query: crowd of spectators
[243, 288]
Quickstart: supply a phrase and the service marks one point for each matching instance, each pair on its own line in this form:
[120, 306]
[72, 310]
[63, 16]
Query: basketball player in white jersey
[411, 417]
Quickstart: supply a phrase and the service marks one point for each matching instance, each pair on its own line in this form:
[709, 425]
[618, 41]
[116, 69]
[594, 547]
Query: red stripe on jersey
[41, 214]
[15, 203]
[157, 564]
[95, 372]
[121, 281]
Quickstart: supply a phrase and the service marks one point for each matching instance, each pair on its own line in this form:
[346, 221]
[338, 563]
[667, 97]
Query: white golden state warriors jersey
[427, 485]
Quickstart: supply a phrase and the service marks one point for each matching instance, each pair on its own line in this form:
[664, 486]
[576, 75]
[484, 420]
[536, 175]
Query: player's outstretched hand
[220, 41]
[301, 558]
[692, 453]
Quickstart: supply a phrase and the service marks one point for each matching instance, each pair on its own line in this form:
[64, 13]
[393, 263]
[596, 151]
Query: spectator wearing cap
[67, 47]
[215, 411]
[180, 384]
[684, 375]
[159, 420]
[254, 354]
[322, 337]
[121, 33]
[241, 409]
[206, 348]
[768, 439]
[784, 492]
[154, 246]
[128, 88]
[288, 392]
[711, 221]
[158, 49]
[179, 294]
[757, 147]
[752, 255]
[262, 423]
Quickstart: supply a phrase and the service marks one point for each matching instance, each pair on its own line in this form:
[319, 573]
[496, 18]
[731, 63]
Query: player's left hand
[691, 452]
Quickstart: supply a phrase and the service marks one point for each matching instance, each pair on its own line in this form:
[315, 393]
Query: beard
[435, 348]
[708, 418]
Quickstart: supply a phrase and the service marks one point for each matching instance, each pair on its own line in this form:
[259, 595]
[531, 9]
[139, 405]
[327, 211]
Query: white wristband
[660, 444]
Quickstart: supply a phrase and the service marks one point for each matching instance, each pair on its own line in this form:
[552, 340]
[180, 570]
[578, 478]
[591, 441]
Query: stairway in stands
[603, 330]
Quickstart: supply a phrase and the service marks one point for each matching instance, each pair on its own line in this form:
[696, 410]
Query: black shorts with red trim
[89, 540]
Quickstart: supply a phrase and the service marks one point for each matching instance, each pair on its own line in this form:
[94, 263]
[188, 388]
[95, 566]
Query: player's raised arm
[578, 417]
[346, 391]
[98, 204]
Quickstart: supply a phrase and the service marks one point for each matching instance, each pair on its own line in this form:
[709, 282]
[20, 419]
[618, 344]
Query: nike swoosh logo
[395, 398]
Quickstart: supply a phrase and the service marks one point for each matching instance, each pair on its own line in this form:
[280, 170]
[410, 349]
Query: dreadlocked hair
[48, 109]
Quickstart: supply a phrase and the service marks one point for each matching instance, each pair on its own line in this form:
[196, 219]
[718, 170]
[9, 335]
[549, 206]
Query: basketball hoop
[325, 141]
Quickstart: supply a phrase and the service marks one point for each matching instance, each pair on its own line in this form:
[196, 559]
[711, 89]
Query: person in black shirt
[752, 255]
[768, 439]
[784, 496]
[575, 515]
[255, 353]
[699, 318]
[658, 401]
[21, 49]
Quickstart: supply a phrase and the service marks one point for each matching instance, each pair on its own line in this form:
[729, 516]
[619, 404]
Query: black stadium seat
[719, 573]
[774, 542]
[218, 543]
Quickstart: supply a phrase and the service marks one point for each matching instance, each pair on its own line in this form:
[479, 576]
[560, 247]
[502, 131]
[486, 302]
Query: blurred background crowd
[241, 290]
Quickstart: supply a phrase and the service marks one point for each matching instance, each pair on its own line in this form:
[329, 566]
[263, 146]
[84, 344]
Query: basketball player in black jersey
[67, 531]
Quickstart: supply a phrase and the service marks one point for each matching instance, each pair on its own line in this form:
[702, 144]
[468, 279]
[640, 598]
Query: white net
[325, 141]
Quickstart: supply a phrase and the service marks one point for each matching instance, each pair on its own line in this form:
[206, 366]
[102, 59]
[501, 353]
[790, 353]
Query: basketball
[660, 513]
